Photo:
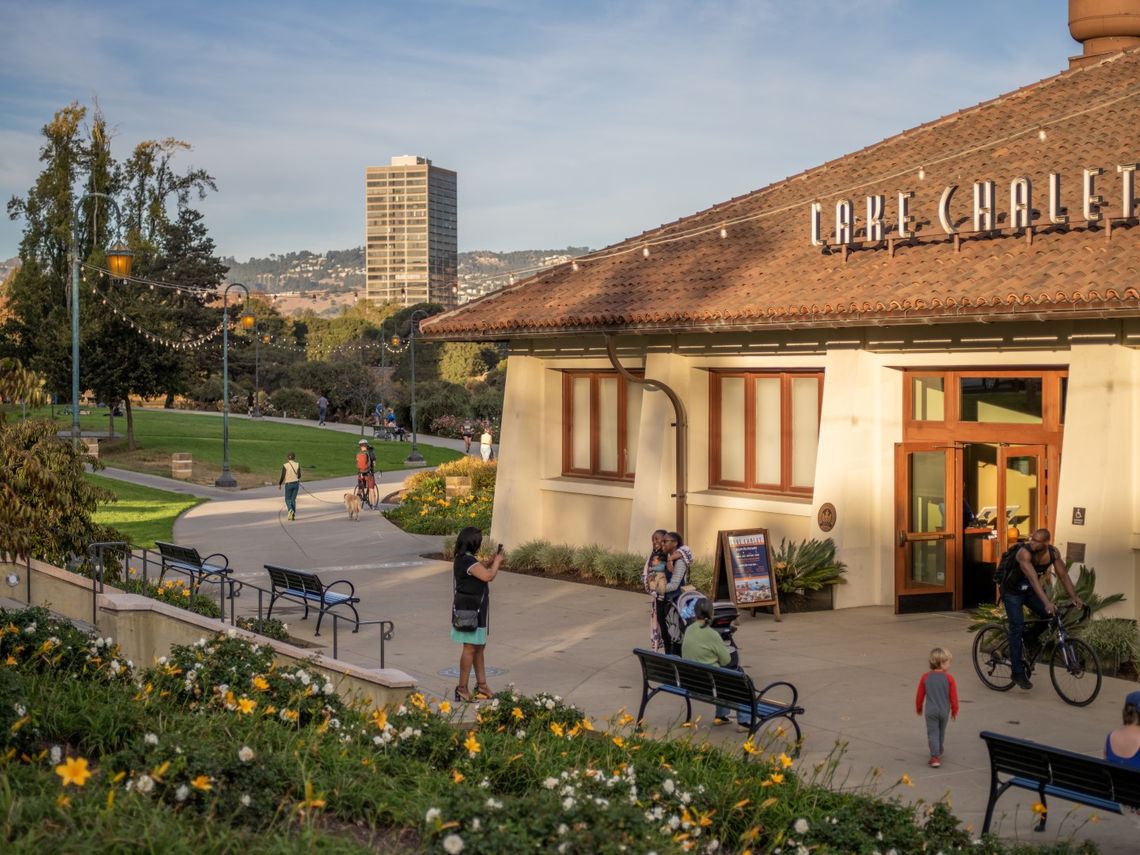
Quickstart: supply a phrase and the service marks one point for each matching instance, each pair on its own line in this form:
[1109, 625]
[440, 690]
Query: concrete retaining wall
[146, 629]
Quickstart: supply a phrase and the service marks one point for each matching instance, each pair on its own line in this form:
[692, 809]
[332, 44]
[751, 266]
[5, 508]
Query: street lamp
[250, 323]
[119, 260]
[226, 479]
[415, 456]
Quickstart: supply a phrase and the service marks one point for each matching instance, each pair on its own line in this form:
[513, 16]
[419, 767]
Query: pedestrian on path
[485, 443]
[471, 580]
[649, 580]
[322, 410]
[940, 693]
[291, 479]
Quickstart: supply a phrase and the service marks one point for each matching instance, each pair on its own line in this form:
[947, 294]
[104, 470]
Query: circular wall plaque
[826, 516]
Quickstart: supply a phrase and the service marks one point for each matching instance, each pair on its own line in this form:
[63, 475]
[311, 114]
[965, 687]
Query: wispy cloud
[567, 123]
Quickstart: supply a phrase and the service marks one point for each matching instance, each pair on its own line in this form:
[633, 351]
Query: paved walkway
[856, 669]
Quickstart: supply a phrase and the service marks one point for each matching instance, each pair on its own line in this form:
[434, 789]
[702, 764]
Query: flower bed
[215, 748]
[427, 509]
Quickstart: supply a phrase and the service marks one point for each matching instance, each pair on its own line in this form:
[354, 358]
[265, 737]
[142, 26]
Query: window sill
[768, 503]
[589, 487]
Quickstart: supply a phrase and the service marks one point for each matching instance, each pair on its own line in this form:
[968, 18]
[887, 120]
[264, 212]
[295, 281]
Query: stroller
[682, 612]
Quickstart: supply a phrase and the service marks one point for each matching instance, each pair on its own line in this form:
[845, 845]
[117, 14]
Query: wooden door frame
[953, 480]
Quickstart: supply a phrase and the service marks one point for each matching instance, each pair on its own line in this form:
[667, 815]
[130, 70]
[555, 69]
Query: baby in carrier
[658, 572]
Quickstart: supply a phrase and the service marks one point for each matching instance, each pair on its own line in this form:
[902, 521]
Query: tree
[170, 243]
[45, 501]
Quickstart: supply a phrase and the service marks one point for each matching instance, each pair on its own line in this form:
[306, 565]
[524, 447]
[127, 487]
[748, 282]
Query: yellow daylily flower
[74, 771]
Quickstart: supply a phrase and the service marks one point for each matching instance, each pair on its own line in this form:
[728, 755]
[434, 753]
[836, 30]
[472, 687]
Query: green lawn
[142, 514]
[257, 448]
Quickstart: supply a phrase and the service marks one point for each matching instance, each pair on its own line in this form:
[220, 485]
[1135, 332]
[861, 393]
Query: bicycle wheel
[1075, 672]
[991, 658]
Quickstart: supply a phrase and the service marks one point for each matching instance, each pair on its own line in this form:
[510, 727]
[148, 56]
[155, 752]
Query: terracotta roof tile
[765, 269]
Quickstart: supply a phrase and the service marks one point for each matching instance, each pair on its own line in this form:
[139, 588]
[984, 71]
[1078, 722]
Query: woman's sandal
[483, 693]
[462, 694]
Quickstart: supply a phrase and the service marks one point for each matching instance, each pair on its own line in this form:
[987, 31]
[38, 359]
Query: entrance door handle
[921, 536]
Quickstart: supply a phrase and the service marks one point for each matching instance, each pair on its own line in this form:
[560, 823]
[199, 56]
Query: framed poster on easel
[743, 570]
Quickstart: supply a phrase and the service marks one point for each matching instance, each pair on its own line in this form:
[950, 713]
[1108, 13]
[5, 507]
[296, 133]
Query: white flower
[493, 803]
[520, 734]
[182, 792]
[328, 688]
[568, 803]
[432, 815]
[151, 739]
[161, 660]
[476, 824]
[245, 754]
[563, 828]
[56, 755]
[245, 800]
[231, 633]
[453, 844]
[550, 783]
[304, 677]
[145, 784]
[485, 784]
[201, 642]
[21, 710]
[562, 847]
[668, 786]
[674, 822]
[801, 826]
[30, 629]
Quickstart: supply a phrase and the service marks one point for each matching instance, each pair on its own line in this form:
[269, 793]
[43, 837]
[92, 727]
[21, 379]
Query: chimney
[1103, 27]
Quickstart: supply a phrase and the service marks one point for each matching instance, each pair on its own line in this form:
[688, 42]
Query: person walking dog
[291, 480]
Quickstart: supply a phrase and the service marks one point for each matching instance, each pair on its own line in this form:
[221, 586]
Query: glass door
[928, 526]
[1021, 492]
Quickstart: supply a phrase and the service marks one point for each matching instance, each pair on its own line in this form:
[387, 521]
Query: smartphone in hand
[499, 551]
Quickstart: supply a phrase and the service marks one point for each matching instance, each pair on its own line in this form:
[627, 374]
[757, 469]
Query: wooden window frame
[623, 473]
[952, 428]
[749, 484]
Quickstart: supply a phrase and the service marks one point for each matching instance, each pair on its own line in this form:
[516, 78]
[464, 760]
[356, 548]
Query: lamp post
[119, 260]
[250, 323]
[227, 480]
[415, 456]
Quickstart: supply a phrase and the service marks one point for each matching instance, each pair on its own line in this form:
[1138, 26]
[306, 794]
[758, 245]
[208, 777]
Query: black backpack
[1007, 565]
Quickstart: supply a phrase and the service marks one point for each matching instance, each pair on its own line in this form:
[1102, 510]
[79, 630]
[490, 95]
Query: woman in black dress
[471, 581]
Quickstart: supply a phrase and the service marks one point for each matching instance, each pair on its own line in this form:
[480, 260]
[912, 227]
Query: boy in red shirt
[940, 693]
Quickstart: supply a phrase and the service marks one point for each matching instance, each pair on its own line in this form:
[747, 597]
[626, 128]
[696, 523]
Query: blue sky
[568, 122]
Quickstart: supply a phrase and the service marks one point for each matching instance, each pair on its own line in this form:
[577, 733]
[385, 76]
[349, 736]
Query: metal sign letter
[1020, 203]
[875, 217]
[1091, 200]
[1057, 215]
[944, 210]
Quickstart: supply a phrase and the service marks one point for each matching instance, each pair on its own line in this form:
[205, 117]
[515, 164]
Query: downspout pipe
[681, 423]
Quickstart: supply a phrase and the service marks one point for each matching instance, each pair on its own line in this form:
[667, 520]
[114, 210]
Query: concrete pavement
[856, 669]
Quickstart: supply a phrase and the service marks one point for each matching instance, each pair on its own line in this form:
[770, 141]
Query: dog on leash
[352, 505]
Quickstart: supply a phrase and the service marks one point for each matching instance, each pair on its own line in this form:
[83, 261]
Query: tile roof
[764, 270]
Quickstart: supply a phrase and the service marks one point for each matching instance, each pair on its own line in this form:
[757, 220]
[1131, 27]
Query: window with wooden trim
[764, 430]
[601, 414]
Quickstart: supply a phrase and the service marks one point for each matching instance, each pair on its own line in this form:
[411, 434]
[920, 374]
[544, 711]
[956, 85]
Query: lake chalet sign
[876, 227]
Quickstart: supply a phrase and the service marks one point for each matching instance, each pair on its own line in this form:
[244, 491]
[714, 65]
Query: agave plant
[809, 565]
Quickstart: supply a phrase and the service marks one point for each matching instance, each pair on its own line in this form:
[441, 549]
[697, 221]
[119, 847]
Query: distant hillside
[343, 270]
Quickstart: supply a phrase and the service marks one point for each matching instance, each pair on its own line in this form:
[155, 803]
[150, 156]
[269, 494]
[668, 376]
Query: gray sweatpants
[936, 732]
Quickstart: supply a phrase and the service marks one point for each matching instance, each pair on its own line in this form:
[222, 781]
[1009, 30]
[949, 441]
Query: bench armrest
[760, 693]
[329, 588]
[225, 564]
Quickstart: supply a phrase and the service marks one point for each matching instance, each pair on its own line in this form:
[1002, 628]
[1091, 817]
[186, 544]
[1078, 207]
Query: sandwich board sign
[743, 570]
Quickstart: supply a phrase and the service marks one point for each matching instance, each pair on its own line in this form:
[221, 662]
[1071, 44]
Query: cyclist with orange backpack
[366, 472]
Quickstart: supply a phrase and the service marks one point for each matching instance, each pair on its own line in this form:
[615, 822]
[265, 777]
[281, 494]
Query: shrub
[439, 398]
[527, 557]
[270, 628]
[298, 403]
[807, 566]
[558, 560]
[1115, 640]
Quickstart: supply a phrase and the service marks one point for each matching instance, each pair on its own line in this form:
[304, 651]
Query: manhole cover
[454, 672]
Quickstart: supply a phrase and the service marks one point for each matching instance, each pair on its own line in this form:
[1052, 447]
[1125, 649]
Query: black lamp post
[226, 480]
[252, 324]
[415, 456]
[119, 260]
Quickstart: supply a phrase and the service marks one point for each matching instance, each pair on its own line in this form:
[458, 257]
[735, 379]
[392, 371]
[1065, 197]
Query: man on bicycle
[1034, 560]
[366, 471]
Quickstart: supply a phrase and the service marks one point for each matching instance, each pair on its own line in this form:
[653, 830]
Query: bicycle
[363, 491]
[1074, 668]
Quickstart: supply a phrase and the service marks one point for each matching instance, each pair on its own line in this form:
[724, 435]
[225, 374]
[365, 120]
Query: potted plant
[806, 574]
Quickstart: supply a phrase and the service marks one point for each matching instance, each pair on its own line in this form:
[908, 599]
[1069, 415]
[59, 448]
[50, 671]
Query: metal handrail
[97, 553]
